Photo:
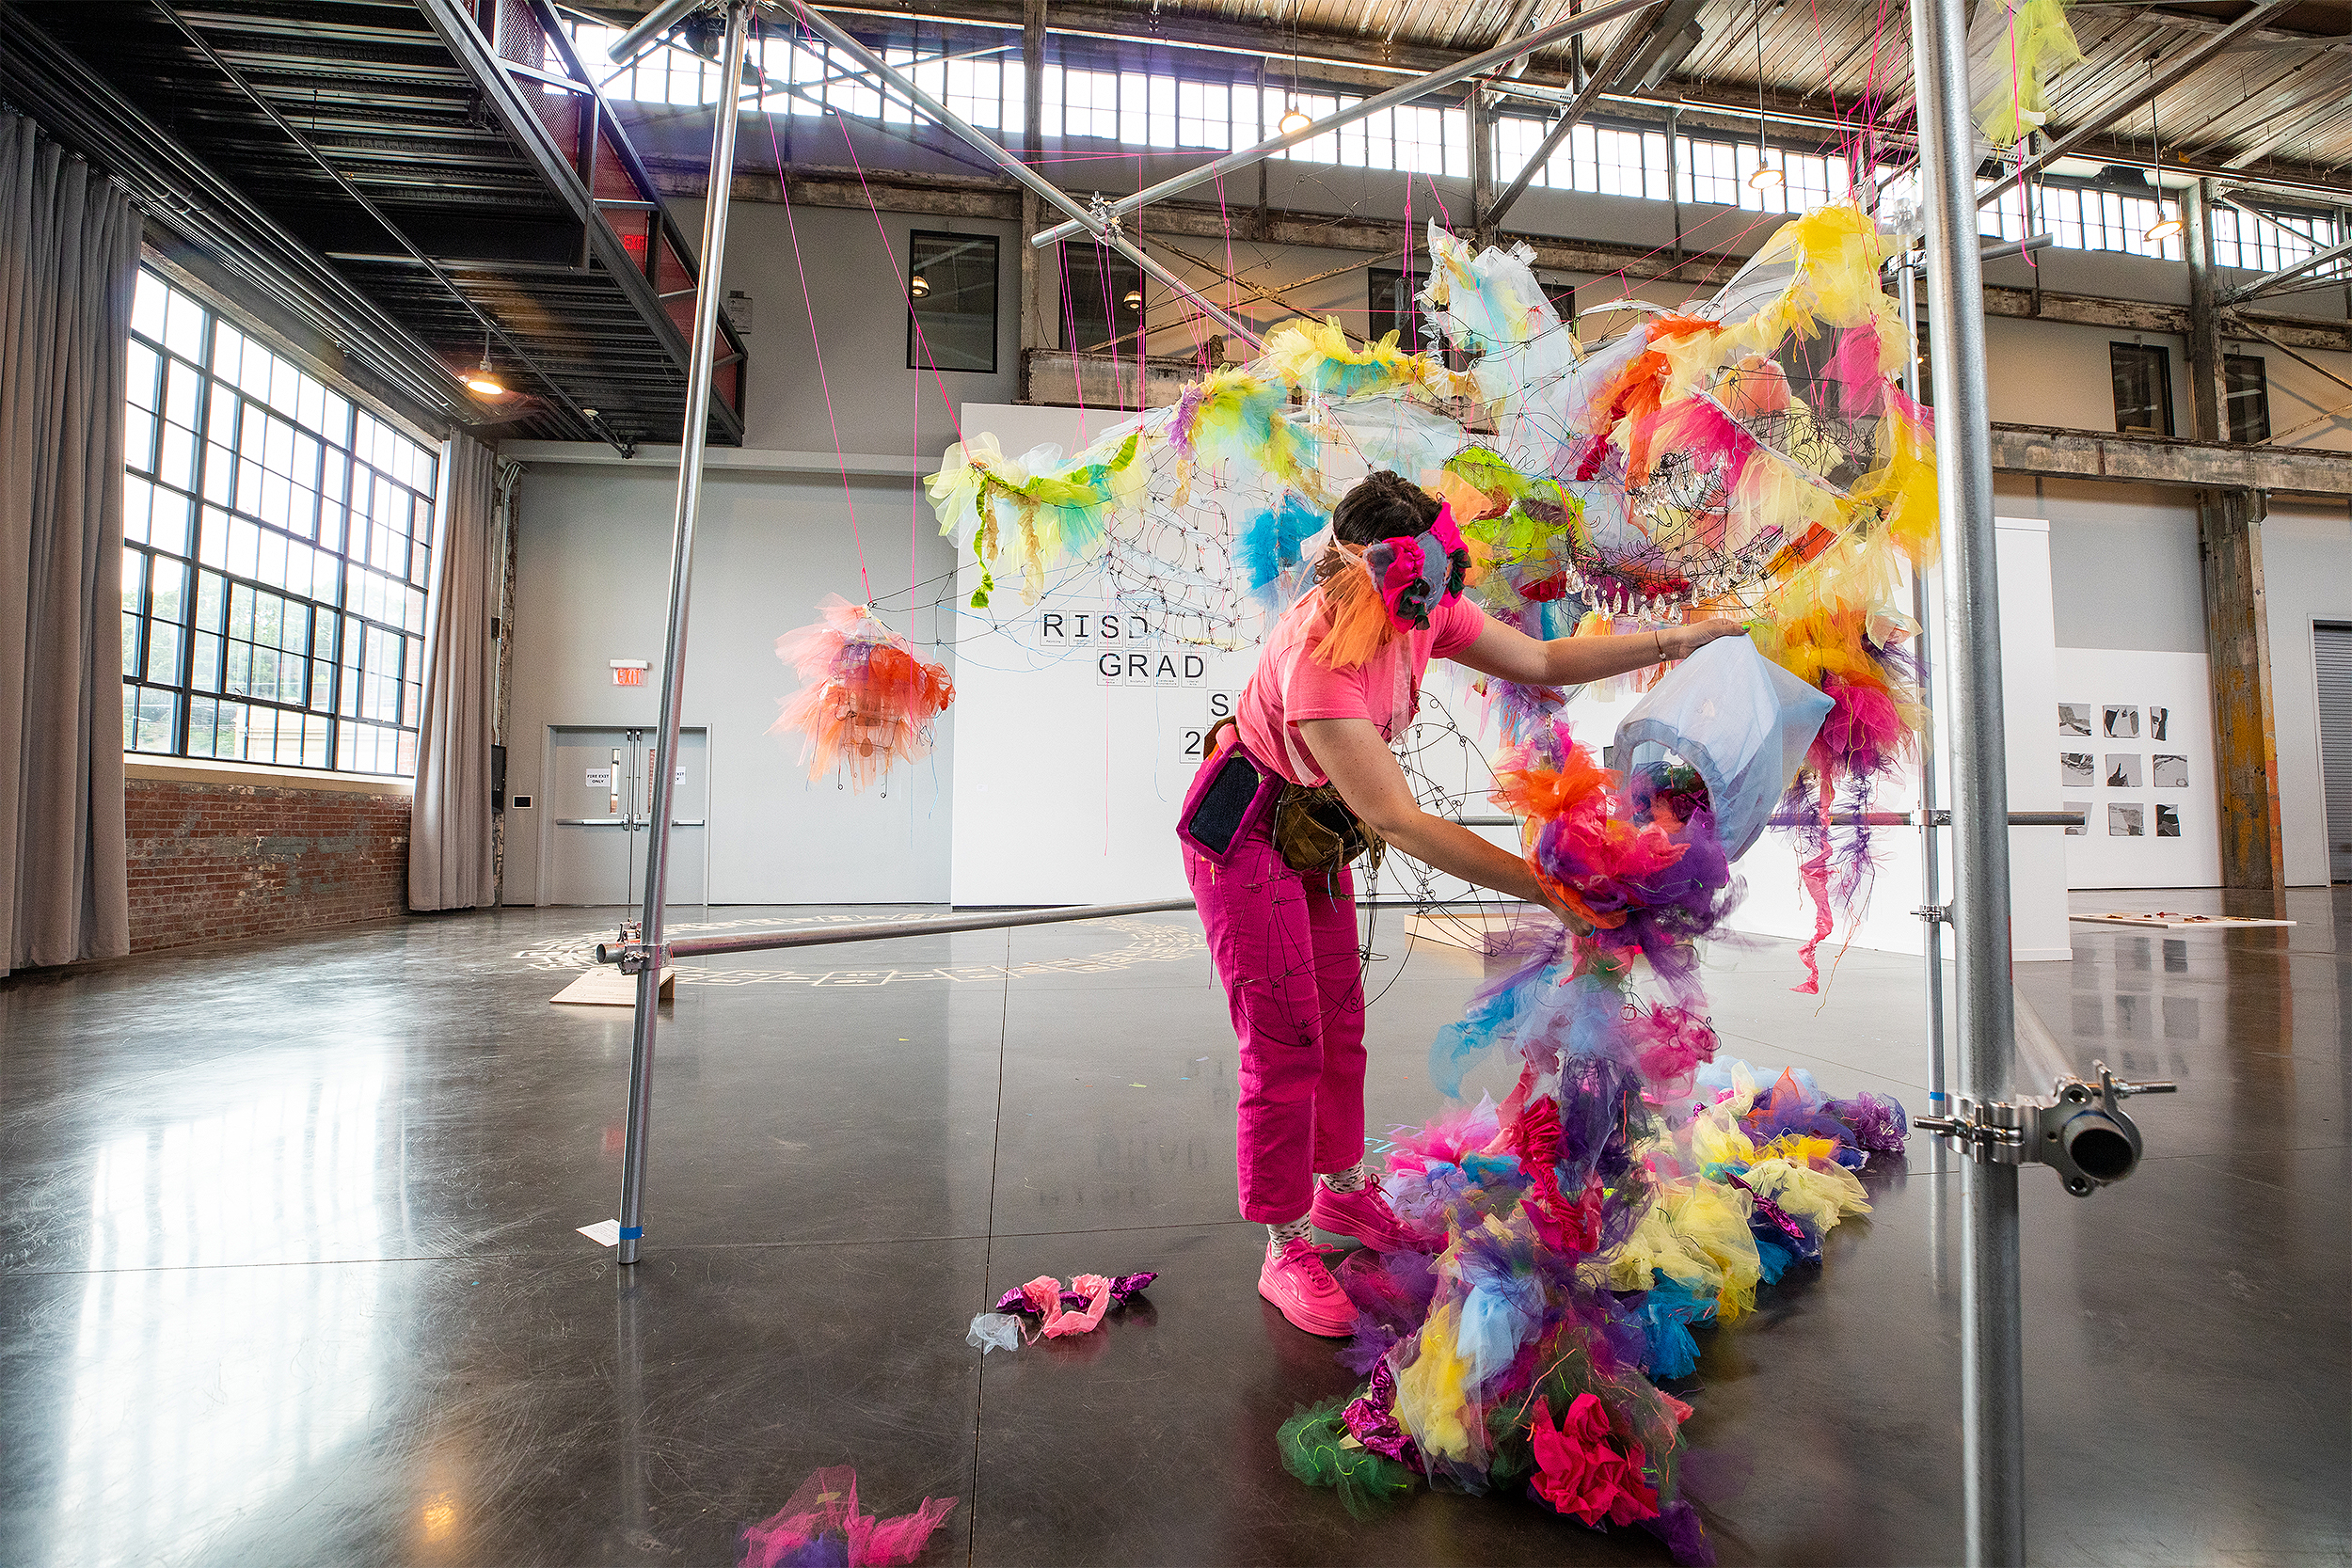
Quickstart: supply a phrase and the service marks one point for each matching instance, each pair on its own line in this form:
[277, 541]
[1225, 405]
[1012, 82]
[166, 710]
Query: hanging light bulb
[919, 286]
[1132, 299]
[1293, 121]
[1764, 177]
[2164, 228]
[483, 380]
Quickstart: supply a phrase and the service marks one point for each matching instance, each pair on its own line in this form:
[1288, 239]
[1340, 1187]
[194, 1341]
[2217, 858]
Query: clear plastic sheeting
[1744, 722]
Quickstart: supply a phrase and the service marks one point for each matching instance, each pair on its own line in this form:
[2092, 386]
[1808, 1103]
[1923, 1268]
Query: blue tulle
[1667, 1311]
[1269, 544]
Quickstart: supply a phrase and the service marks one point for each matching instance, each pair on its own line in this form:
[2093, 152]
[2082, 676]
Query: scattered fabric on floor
[821, 1528]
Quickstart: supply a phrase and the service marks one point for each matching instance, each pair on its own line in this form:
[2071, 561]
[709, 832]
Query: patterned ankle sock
[1349, 1180]
[1284, 1234]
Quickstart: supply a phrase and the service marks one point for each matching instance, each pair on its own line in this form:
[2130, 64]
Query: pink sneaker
[1296, 1280]
[1365, 1214]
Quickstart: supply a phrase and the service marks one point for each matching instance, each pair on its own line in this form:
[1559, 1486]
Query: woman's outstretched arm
[1371, 782]
[1507, 652]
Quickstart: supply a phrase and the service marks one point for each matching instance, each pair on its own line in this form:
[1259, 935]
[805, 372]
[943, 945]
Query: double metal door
[600, 786]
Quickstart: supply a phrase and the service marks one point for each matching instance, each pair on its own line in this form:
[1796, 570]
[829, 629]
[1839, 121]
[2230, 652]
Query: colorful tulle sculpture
[1632, 1187]
[870, 701]
[821, 1528]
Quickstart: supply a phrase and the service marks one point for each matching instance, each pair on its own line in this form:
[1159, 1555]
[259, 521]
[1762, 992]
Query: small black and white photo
[2127, 821]
[2168, 772]
[2123, 722]
[2158, 717]
[2168, 822]
[2081, 809]
[2073, 718]
[2123, 770]
[2079, 768]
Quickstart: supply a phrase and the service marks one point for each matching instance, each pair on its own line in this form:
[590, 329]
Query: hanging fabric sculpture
[870, 701]
[2015, 49]
[1751, 458]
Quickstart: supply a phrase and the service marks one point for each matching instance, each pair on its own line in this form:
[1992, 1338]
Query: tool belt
[1313, 830]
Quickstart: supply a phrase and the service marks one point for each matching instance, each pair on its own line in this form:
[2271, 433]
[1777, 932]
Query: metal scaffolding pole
[690, 487]
[1992, 1329]
[1930, 868]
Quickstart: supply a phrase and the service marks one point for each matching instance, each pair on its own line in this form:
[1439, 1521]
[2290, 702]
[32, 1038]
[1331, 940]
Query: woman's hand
[1689, 638]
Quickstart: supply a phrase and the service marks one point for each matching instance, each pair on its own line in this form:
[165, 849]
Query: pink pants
[1285, 945]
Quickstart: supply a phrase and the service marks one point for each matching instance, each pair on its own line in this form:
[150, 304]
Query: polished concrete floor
[289, 1270]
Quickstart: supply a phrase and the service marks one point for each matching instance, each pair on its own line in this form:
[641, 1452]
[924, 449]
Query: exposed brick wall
[212, 861]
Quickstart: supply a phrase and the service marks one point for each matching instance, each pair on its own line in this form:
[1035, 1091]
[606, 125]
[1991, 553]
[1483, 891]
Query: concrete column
[1034, 263]
[2208, 393]
[2237, 645]
[1482, 132]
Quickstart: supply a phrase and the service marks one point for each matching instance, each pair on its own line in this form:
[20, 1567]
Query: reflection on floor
[289, 1272]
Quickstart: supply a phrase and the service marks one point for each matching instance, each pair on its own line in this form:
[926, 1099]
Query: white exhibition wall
[2134, 733]
[592, 585]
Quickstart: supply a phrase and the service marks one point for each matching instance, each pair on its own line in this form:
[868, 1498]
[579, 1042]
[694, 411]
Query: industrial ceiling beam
[1105, 231]
[1405, 93]
[2137, 98]
[490, 329]
[1631, 45]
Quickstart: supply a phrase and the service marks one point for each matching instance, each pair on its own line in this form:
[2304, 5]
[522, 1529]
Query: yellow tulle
[1433, 1394]
[2016, 48]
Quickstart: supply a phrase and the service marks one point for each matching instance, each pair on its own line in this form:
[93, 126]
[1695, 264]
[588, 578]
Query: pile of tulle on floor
[1630, 1187]
[821, 1528]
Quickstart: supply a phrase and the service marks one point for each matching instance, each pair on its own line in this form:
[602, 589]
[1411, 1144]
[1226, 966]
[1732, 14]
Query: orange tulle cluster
[870, 699]
[1578, 836]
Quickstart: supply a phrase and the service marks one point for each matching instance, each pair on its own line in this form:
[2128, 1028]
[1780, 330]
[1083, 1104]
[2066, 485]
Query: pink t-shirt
[1290, 685]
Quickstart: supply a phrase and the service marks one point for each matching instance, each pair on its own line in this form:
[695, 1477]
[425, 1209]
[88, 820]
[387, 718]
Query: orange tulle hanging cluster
[870, 701]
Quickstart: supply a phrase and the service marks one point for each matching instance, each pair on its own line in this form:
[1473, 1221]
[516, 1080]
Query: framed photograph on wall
[2079, 768]
[2073, 718]
[2159, 719]
[2127, 821]
[2123, 722]
[2081, 809]
[2168, 822]
[2123, 770]
[2168, 772]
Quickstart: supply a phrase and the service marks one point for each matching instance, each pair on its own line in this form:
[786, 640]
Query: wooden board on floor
[605, 986]
[2172, 920]
[1464, 928]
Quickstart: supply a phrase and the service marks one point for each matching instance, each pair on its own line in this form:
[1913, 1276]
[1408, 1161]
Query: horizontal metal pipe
[882, 930]
[2016, 248]
[1502, 54]
[651, 28]
[1856, 819]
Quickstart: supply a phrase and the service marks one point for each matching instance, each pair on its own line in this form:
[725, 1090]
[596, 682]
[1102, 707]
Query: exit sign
[629, 672]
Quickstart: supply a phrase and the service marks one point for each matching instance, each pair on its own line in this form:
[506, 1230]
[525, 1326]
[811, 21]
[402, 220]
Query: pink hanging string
[784, 187]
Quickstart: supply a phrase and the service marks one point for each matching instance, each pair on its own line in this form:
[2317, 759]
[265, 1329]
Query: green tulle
[1316, 1448]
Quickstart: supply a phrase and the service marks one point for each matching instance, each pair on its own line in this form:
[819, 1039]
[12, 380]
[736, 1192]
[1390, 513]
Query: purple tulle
[1878, 1123]
[1768, 1209]
[1123, 1287]
[1370, 1420]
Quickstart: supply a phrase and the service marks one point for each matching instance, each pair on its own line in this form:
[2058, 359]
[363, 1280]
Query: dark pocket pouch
[1227, 799]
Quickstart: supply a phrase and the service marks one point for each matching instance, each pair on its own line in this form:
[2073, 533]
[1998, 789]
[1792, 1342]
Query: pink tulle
[1097, 1292]
[1856, 368]
[870, 701]
[826, 1506]
[1579, 1473]
[1671, 1043]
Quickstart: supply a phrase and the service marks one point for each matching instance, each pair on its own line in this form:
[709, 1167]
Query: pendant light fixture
[482, 380]
[2164, 228]
[1766, 175]
[1294, 118]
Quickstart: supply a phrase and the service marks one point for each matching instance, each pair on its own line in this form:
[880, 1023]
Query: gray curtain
[450, 860]
[68, 262]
